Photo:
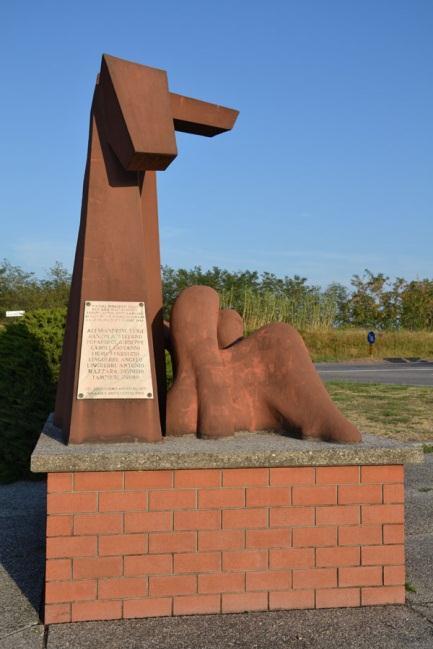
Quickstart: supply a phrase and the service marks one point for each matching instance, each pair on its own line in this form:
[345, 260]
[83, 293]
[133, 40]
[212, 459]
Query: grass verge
[396, 411]
[347, 344]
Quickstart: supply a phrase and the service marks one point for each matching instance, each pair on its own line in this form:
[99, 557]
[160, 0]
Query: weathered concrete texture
[243, 450]
[30, 638]
[369, 628]
[419, 531]
[426, 610]
[21, 585]
[419, 567]
[22, 553]
[419, 497]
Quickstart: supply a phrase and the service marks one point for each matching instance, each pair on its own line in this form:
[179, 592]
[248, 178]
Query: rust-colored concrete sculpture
[132, 135]
[225, 383]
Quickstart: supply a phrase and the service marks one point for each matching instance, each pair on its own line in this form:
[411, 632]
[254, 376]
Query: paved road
[22, 523]
[397, 372]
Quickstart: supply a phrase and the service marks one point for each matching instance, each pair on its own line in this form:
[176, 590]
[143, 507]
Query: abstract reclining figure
[226, 383]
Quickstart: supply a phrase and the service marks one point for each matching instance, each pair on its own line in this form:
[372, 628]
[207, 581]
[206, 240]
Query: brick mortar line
[234, 508]
[245, 592]
[245, 531]
[73, 474]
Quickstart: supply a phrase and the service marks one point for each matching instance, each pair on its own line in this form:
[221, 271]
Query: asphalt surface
[395, 371]
[22, 526]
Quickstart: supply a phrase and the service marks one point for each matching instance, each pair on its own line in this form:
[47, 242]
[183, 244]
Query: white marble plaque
[114, 360]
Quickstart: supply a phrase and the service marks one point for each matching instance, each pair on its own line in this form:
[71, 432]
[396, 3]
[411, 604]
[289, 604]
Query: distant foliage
[259, 298]
[377, 302]
[416, 305]
[30, 352]
[374, 301]
[20, 290]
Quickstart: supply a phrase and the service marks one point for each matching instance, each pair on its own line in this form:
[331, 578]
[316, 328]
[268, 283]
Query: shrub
[30, 352]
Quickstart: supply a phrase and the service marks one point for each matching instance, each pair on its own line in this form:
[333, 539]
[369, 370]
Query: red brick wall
[146, 543]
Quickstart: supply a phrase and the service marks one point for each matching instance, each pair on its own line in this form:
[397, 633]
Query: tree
[22, 290]
[366, 302]
[339, 295]
[417, 304]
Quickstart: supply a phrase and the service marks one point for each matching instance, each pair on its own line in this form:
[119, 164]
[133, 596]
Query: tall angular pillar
[117, 261]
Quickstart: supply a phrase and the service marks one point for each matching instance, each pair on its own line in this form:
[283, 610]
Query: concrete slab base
[362, 628]
[33, 637]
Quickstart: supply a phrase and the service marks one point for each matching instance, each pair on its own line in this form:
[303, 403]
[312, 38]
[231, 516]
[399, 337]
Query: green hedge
[30, 352]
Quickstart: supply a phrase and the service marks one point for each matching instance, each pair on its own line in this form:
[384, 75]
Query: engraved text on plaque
[114, 361]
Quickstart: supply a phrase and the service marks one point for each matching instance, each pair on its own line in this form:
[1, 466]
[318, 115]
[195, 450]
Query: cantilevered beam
[141, 114]
[200, 117]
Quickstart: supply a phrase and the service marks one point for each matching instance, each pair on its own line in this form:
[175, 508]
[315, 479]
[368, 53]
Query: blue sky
[328, 170]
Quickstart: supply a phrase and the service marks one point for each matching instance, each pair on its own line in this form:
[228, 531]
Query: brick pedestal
[254, 522]
[127, 544]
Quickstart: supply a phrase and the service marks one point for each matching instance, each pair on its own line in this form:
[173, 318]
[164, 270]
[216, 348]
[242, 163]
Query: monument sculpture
[191, 525]
[112, 382]
[226, 383]
[106, 391]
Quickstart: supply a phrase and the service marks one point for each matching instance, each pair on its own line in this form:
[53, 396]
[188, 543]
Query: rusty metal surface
[200, 117]
[132, 134]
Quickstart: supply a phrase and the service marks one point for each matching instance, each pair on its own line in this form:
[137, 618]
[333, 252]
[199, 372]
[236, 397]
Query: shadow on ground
[22, 555]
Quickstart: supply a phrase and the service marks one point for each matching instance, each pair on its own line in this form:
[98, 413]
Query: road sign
[371, 337]
[14, 314]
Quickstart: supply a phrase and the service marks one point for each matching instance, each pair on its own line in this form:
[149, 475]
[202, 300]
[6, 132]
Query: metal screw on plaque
[81, 395]
[149, 395]
[88, 303]
[141, 303]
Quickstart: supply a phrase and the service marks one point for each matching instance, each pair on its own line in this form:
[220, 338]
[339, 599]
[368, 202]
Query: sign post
[371, 338]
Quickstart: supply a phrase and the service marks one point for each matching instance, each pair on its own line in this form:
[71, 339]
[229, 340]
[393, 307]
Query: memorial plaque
[114, 360]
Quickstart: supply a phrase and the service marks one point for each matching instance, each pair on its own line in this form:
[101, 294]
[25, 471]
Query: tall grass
[311, 311]
[314, 315]
[346, 344]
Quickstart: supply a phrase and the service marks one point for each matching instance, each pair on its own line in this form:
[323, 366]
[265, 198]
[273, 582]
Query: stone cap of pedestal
[261, 449]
